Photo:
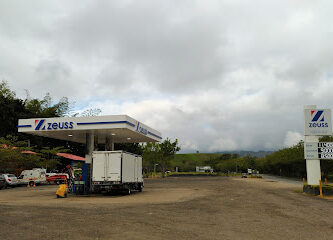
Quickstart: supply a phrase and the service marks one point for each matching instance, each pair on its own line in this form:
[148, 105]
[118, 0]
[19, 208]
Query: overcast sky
[217, 75]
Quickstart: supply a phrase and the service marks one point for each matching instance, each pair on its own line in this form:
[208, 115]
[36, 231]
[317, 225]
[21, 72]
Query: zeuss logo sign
[317, 122]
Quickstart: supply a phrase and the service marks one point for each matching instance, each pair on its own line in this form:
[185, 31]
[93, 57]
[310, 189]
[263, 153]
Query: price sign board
[318, 150]
[311, 150]
[325, 150]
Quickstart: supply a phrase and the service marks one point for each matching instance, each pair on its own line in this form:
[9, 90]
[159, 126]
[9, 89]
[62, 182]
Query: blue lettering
[59, 125]
[318, 125]
[143, 130]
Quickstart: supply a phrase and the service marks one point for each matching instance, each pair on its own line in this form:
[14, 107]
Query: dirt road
[172, 208]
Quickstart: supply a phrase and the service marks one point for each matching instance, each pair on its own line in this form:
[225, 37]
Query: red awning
[6, 146]
[29, 152]
[71, 156]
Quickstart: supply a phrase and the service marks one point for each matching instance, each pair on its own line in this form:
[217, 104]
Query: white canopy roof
[121, 128]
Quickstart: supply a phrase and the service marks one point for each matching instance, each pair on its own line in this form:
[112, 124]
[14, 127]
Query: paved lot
[172, 208]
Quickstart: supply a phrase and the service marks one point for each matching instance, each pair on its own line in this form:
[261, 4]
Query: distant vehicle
[31, 177]
[205, 169]
[249, 171]
[244, 175]
[11, 179]
[2, 182]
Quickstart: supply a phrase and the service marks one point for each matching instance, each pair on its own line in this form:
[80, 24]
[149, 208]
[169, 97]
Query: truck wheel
[31, 183]
[140, 188]
[129, 191]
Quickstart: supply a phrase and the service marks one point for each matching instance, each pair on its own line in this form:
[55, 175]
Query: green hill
[188, 162]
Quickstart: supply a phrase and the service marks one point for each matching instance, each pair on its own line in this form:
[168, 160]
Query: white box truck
[116, 170]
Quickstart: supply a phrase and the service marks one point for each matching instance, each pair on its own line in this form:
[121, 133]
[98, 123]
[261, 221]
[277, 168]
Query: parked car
[11, 179]
[2, 182]
[244, 175]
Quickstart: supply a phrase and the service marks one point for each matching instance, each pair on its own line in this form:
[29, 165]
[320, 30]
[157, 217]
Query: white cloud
[292, 138]
[217, 75]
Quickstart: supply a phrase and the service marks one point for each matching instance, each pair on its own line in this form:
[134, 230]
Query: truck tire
[31, 183]
[129, 190]
[140, 188]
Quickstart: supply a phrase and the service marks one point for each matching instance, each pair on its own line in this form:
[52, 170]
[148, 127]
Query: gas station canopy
[120, 128]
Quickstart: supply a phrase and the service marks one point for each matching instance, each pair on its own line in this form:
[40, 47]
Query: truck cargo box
[116, 170]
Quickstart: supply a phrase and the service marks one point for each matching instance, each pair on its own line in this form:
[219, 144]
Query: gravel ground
[172, 208]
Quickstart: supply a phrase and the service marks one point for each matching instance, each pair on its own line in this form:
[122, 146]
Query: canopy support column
[89, 146]
[109, 143]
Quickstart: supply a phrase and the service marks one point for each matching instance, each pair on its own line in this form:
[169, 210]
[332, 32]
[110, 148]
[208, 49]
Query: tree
[49, 156]
[286, 162]
[168, 150]
[6, 92]
[91, 112]
[11, 157]
[151, 155]
[11, 110]
[45, 107]
[135, 148]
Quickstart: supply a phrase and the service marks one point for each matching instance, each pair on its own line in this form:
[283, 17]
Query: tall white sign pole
[313, 165]
[313, 170]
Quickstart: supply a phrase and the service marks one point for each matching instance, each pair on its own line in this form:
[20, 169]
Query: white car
[11, 179]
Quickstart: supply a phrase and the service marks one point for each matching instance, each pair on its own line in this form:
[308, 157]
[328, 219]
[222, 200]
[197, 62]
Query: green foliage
[193, 174]
[159, 153]
[5, 91]
[167, 149]
[286, 162]
[46, 108]
[135, 148]
[12, 159]
[12, 109]
[91, 112]
[151, 155]
[188, 162]
[49, 156]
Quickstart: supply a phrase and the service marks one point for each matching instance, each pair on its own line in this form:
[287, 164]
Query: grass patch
[298, 191]
[192, 174]
[254, 176]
